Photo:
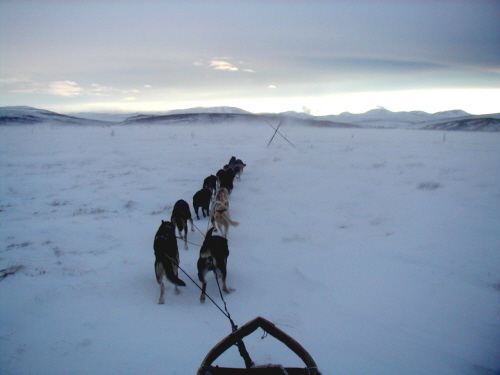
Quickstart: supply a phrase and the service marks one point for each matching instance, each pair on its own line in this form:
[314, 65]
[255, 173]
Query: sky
[318, 57]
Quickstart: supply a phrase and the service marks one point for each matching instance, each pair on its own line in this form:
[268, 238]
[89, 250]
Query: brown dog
[220, 218]
[222, 196]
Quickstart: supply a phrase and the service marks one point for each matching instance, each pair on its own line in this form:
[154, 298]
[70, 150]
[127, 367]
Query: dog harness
[219, 212]
[162, 236]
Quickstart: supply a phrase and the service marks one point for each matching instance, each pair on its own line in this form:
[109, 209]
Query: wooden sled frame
[206, 367]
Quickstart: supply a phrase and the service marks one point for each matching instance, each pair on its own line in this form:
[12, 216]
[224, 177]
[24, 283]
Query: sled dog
[237, 165]
[222, 196]
[202, 200]
[166, 258]
[180, 216]
[225, 177]
[213, 257]
[210, 183]
[220, 218]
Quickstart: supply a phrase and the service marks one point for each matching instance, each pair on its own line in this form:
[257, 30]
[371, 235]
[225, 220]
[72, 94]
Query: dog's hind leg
[161, 300]
[222, 275]
[212, 220]
[201, 276]
[160, 272]
[219, 228]
[185, 237]
[224, 229]
[203, 289]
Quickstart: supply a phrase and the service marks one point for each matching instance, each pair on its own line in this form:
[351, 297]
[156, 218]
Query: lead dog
[220, 218]
[237, 165]
[166, 258]
[213, 257]
[180, 216]
[238, 168]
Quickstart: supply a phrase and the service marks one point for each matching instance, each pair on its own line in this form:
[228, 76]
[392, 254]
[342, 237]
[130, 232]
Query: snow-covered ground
[377, 250]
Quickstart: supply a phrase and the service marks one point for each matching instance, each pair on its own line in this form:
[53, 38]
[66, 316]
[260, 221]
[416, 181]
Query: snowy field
[377, 250]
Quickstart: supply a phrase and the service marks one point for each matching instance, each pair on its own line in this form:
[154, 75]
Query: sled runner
[236, 337]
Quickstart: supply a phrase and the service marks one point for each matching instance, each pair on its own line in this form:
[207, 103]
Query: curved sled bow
[206, 367]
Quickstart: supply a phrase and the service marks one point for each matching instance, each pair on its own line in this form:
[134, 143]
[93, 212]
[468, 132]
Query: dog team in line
[213, 199]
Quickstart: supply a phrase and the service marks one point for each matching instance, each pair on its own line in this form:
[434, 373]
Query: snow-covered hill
[220, 110]
[384, 118]
[490, 123]
[121, 117]
[107, 117]
[376, 249]
[29, 115]
[377, 118]
[233, 118]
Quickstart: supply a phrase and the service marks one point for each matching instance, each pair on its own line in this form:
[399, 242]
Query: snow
[377, 250]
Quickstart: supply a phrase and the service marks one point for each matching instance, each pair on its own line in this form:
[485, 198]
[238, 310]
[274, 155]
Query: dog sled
[236, 337]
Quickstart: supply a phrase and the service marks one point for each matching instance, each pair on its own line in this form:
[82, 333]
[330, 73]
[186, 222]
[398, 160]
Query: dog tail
[172, 277]
[229, 220]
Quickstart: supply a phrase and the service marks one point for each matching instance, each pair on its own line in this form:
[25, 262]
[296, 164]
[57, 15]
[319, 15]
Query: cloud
[64, 88]
[271, 87]
[14, 81]
[27, 86]
[21, 85]
[100, 90]
[223, 65]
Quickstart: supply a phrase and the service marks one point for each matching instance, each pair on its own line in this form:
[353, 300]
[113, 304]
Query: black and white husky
[166, 258]
[213, 257]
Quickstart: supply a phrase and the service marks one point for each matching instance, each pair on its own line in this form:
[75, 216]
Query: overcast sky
[322, 57]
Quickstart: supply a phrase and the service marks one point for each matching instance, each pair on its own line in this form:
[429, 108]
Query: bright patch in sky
[272, 56]
[223, 65]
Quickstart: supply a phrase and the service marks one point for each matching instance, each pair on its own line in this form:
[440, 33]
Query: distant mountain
[207, 118]
[122, 117]
[383, 118]
[467, 124]
[376, 118]
[106, 117]
[29, 116]
[202, 117]
[301, 115]
[222, 110]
